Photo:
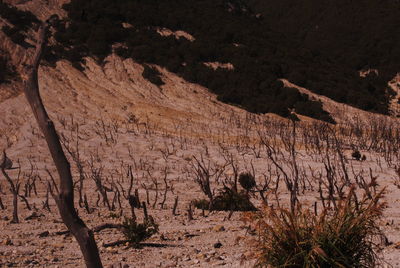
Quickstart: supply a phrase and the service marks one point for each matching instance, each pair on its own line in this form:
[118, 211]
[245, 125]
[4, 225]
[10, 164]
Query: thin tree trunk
[65, 197]
[1, 204]
[14, 187]
[15, 210]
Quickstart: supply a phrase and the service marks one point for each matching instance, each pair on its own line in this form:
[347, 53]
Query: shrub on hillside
[21, 22]
[16, 36]
[152, 75]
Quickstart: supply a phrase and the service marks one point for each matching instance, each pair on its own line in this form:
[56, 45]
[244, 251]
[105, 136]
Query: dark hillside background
[21, 22]
[5, 69]
[321, 45]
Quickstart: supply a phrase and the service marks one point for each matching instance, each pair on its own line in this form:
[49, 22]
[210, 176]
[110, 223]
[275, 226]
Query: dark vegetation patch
[21, 22]
[136, 232]
[227, 200]
[7, 72]
[321, 45]
[338, 39]
[152, 75]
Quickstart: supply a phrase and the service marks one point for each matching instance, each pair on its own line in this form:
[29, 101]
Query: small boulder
[218, 245]
[218, 228]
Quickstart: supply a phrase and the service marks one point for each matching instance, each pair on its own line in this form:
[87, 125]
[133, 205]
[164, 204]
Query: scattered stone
[7, 242]
[247, 255]
[218, 228]
[60, 246]
[163, 238]
[169, 264]
[238, 256]
[188, 235]
[201, 256]
[212, 253]
[34, 215]
[44, 234]
[397, 245]
[197, 250]
[218, 245]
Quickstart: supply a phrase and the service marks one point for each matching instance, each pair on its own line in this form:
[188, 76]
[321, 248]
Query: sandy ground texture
[115, 119]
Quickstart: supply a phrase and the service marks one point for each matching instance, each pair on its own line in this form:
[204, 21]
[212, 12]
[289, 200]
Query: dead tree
[133, 199]
[205, 174]
[74, 152]
[165, 171]
[175, 205]
[65, 197]
[396, 180]
[14, 186]
[97, 176]
[274, 154]
[1, 204]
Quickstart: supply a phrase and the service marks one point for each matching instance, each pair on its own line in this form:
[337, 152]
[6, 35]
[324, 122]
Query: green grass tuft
[340, 238]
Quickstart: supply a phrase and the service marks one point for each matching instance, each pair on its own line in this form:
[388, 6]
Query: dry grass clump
[343, 237]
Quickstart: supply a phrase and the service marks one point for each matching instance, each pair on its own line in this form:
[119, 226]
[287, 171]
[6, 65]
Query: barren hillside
[128, 133]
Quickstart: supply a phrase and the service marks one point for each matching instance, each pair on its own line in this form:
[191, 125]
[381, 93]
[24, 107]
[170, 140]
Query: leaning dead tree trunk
[65, 197]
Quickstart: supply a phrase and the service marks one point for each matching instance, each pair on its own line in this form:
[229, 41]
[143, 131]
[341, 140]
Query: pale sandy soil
[123, 119]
